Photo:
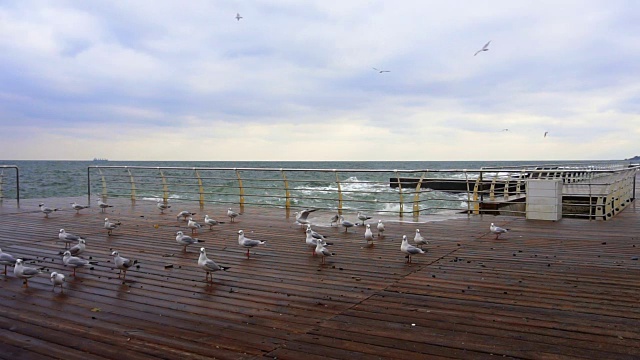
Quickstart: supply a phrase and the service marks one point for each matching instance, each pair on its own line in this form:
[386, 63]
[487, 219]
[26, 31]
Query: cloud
[140, 80]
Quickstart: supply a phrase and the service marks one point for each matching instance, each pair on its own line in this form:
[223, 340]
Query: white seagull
[185, 214]
[368, 235]
[315, 234]
[409, 249]
[78, 248]
[6, 260]
[484, 48]
[334, 219]
[46, 210]
[363, 217]
[232, 214]
[322, 251]
[193, 225]
[248, 243]
[186, 240]
[497, 230]
[75, 262]
[209, 265]
[419, 240]
[67, 238]
[312, 241]
[57, 279]
[23, 272]
[380, 228]
[301, 217]
[346, 224]
[122, 263]
[77, 207]
[162, 206]
[103, 205]
[110, 226]
[209, 221]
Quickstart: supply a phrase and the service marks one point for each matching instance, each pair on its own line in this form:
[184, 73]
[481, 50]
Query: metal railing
[591, 191]
[17, 181]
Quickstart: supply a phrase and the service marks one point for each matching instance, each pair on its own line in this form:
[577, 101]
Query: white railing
[16, 187]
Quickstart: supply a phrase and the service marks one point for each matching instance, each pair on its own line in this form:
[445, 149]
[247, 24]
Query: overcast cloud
[294, 80]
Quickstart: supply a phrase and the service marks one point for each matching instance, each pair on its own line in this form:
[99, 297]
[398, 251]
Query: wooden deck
[546, 290]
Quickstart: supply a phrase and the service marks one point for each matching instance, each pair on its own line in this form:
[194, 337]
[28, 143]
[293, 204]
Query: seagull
[381, 71]
[194, 226]
[232, 214]
[23, 272]
[186, 240]
[409, 249]
[46, 210]
[67, 238]
[248, 243]
[419, 240]
[497, 230]
[316, 235]
[6, 260]
[77, 249]
[209, 221]
[57, 279]
[484, 48]
[123, 264]
[110, 226]
[368, 235]
[209, 265]
[77, 207]
[238, 17]
[185, 214]
[335, 219]
[103, 206]
[162, 206]
[322, 251]
[75, 262]
[346, 224]
[363, 217]
[380, 228]
[312, 241]
[301, 217]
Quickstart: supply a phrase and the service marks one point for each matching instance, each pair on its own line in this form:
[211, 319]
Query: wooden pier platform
[545, 290]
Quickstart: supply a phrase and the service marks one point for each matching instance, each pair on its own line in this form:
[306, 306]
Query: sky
[295, 80]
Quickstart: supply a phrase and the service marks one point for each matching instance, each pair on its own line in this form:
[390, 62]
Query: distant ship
[100, 160]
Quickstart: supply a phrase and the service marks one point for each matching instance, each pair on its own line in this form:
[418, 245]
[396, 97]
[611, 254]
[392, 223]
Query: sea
[40, 179]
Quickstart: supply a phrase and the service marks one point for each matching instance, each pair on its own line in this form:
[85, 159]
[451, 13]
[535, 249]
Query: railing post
[165, 188]
[339, 192]
[200, 187]
[287, 195]
[133, 185]
[241, 190]
[89, 185]
[416, 198]
[104, 184]
[466, 179]
[400, 194]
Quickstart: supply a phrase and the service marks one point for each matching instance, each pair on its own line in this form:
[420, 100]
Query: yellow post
[241, 190]
[339, 193]
[416, 198]
[133, 185]
[165, 188]
[400, 193]
[287, 195]
[200, 188]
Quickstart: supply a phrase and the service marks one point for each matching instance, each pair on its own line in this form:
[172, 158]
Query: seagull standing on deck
[75, 262]
[209, 265]
[162, 206]
[57, 279]
[363, 217]
[248, 243]
[193, 225]
[209, 221]
[77, 207]
[419, 240]
[103, 206]
[368, 235]
[46, 210]
[23, 272]
[484, 48]
[185, 214]
[380, 228]
[123, 264]
[322, 251]
[67, 238]
[110, 226]
[334, 219]
[409, 249]
[497, 230]
[346, 224]
[186, 240]
[232, 214]
[312, 241]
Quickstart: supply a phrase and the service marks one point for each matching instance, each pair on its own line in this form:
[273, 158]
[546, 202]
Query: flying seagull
[238, 17]
[381, 71]
[545, 133]
[484, 48]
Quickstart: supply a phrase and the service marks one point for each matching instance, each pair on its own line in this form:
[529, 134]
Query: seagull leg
[26, 283]
[247, 253]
